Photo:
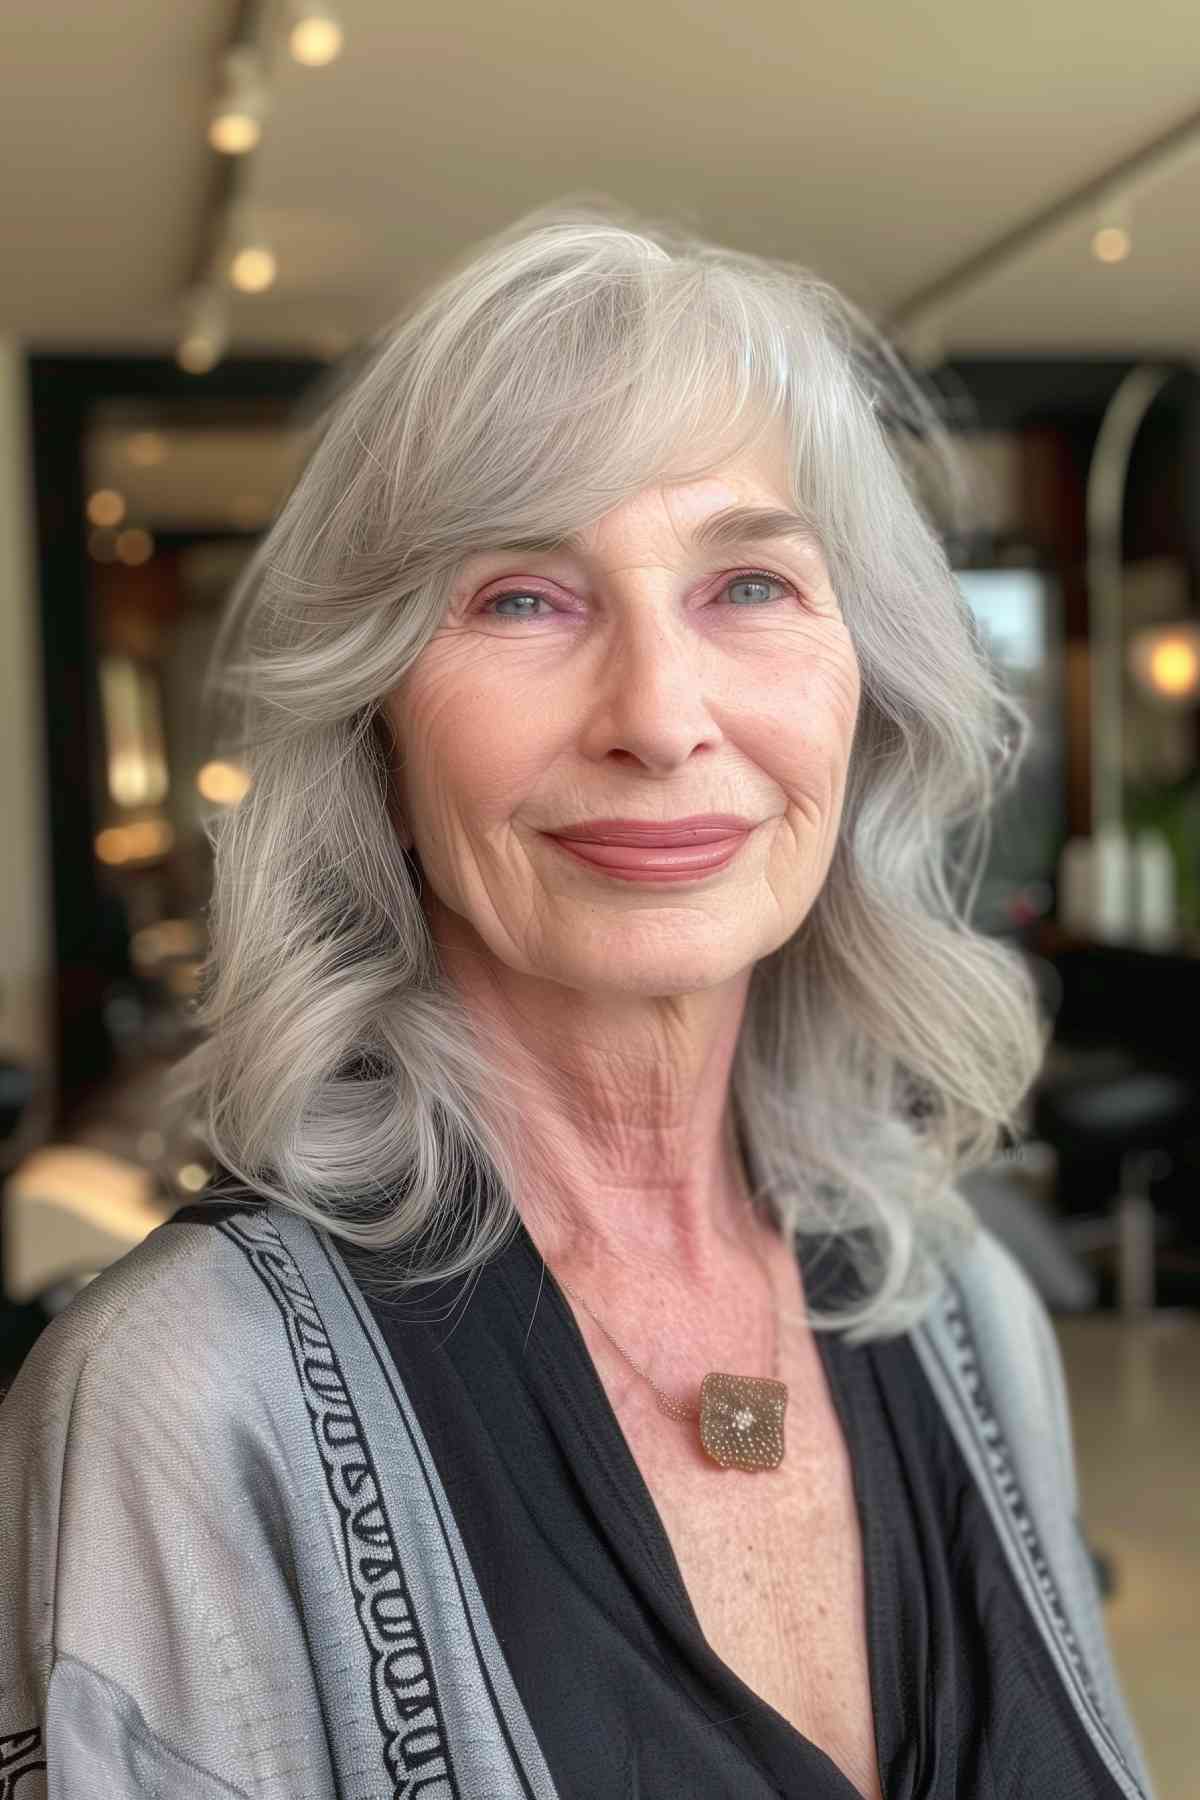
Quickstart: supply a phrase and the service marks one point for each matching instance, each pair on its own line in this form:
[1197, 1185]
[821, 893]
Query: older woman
[587, 958]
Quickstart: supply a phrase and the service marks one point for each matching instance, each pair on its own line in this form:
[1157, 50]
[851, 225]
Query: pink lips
[651, 850]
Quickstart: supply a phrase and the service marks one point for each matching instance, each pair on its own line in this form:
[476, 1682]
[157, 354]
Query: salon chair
[1118, 1100]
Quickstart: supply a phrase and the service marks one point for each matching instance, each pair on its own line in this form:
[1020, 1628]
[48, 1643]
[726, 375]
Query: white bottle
[1074, 902]
[1154, 891]
[1112, 886]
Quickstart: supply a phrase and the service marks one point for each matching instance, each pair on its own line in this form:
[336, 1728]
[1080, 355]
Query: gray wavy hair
[556, 370]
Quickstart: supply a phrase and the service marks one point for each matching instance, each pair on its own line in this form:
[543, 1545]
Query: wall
[25, 939]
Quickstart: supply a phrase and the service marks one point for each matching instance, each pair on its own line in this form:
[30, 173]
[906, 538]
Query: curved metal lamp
[1107, 475]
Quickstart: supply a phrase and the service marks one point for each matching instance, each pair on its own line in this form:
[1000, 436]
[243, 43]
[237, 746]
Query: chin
[655, 974]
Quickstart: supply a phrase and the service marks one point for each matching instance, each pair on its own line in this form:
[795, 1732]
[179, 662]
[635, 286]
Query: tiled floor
[1135, 1401]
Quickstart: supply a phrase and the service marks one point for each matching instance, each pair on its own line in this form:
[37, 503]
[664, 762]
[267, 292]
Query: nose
[651, 699]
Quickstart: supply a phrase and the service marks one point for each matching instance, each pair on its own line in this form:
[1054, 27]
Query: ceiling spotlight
[316, 37]
[252, 268]
[248, 258]
[196, 355]
[1112, 239]
[236, 123]
[205, 334]
[1112, 243]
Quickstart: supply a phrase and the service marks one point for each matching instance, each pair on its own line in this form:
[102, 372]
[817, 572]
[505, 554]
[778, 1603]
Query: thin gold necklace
[740, 1416]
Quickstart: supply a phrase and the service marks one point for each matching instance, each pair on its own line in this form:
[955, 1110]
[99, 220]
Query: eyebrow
[732, 525]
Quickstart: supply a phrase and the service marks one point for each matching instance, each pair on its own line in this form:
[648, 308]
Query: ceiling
[879, 144]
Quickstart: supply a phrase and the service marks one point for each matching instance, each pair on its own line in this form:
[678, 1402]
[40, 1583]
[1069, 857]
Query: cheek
[843, 695]
[470, 750]
[802, 729]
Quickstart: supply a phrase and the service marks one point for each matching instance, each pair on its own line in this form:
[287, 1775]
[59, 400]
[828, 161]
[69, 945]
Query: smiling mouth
[657, 862]
[697, 828]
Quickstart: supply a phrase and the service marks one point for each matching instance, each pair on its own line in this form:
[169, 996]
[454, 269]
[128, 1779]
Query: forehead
[745, 501]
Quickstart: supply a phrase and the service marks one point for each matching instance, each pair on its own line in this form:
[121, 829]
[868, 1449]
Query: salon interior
[208, 212]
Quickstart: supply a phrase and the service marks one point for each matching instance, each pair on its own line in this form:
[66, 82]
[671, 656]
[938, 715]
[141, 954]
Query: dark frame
[63, 391]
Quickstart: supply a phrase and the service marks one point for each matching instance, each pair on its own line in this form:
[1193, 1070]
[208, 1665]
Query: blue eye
[525, 612]
[753, 580]
[526, 603]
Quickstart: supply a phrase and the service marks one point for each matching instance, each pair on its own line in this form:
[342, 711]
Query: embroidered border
[1000, 1459]
[20, 1754]
[416, 1747]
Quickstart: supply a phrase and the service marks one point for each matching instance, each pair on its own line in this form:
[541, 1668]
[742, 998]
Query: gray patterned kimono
[228, 1566]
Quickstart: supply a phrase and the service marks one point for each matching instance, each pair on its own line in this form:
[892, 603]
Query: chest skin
[772, 1560]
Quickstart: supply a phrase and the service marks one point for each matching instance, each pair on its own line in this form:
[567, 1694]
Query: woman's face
[648, 675]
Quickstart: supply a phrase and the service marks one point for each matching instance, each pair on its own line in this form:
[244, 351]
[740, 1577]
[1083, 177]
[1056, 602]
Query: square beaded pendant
[741, 1420]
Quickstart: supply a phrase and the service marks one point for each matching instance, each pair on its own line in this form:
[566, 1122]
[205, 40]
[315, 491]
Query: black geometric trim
[21, 1754]
[1000, 1458]
[212, 1212]
[404, 1694]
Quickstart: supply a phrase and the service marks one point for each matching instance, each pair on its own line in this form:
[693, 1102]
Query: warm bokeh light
[204, 328]
[136, 777]
[191, 1177]
[197, 354]
[234, 133]
[1165, 661]
[316, 41]
[165, 941]
[1111, 244]
[223, 783]
[182, 980]
[1174, 668]
[134, 546]
[139, 842]
[145, 449]
[106, 507]
[253, 269]
[133, 732]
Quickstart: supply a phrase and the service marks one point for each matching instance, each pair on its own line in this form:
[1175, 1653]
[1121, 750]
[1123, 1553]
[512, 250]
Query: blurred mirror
[176, 498]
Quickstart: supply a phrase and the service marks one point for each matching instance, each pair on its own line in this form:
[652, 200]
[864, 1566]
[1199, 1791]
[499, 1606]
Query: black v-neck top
[625, 1696]
[585, 1595]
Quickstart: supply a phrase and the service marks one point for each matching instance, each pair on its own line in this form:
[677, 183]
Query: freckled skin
[651, 695]
[644, 685]
[641, 689]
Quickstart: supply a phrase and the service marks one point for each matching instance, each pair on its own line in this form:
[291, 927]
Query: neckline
[530, 1264]
[529, 1271]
